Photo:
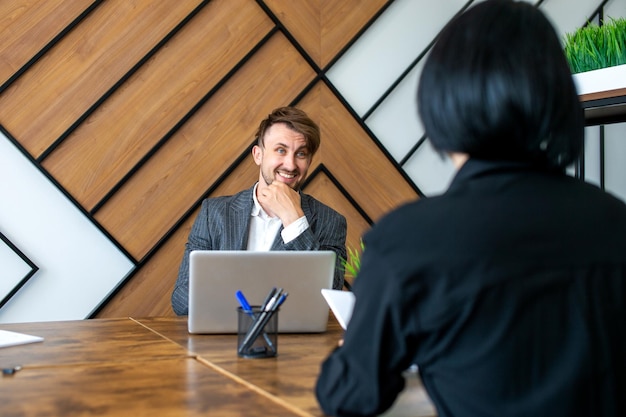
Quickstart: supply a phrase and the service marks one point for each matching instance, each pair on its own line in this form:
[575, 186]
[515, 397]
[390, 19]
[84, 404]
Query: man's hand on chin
[282, 201]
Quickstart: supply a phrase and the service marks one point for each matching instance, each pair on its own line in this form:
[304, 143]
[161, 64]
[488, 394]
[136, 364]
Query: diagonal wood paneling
[55, 92]
[156, 98]
[138, 135]
[325, 190]
[204, 147]
[324, 27]
[354, 159]
[27, 27]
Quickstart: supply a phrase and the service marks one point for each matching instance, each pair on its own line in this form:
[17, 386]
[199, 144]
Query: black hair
[496, 85]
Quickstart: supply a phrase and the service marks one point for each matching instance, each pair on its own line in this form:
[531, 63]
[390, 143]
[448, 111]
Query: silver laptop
[215, 277]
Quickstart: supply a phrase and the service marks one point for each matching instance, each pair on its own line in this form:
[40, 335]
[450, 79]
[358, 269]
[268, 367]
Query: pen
[244, 303]
[268, 298]
[281, 300]
[273, 300]
[12, 370]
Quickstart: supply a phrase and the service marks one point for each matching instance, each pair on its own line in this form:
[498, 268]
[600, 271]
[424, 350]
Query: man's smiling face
[284, 157]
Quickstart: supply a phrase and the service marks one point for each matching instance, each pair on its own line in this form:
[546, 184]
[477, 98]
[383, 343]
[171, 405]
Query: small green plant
[593, 47]
[352, 265]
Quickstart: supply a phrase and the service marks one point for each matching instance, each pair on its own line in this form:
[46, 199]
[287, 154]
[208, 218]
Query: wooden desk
[152, 366]
[117, 368]
[291, 376]
[88, 341]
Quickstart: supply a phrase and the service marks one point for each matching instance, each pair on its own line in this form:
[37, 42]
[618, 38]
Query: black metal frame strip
[598, 12]
[321, 169]
[602, 167]
[414, 149]
[358, 35]
[410, 68]
[121, 81]
[600, 121]
[579, 165]
[63, 191]
[50, 45]
[33, 269]
[400, 79]
[181, 123]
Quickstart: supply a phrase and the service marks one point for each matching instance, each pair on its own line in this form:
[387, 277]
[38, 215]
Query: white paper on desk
[8, 338]
[341, 303]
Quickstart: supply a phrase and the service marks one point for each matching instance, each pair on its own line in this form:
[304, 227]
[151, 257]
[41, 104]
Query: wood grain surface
[153, 366]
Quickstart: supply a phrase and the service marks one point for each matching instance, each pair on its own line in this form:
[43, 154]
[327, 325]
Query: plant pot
[604, 79]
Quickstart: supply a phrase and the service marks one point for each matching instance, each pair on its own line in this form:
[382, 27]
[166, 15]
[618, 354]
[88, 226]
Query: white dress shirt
[263, 228]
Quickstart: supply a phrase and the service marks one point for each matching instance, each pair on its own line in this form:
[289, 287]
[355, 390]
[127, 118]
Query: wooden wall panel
[63, 84]
[341, 21]
[324, 27]
[354, 159]
[148, 292]
[168, 87]
[327, 192]
[138, 122]
[27, 27]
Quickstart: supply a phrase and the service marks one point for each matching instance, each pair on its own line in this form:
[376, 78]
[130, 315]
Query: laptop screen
[215, 277]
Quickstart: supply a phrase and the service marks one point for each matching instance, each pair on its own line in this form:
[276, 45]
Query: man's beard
[268, 180]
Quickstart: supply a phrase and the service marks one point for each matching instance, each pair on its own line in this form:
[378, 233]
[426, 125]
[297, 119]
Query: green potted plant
[351, 264]
[597, 56]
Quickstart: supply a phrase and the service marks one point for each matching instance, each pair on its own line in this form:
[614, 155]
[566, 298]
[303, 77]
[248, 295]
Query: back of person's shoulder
[592, 194]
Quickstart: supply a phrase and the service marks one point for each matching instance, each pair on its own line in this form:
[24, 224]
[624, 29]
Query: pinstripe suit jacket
[223, 224]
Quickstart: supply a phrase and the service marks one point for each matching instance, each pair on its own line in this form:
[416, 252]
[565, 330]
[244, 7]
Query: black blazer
[508, 291]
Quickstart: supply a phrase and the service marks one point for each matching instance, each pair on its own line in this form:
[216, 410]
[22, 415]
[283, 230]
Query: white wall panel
[378, 58]
[395, 123]
[592, 155]
[13, 269]
[568, 15]
[78, 265]
[430, 170]
[615, 159]
[615, 8]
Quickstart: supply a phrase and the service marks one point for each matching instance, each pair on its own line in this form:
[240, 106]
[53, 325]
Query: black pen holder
[257, 333]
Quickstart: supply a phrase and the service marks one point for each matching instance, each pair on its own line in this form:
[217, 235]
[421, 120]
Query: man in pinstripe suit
[273, 214]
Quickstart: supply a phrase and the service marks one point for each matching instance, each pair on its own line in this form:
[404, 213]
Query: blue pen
[281, 300]
[244, 303]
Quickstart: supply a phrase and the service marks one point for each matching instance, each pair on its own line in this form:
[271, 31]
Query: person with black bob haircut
[508, 291]
[511, 98]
